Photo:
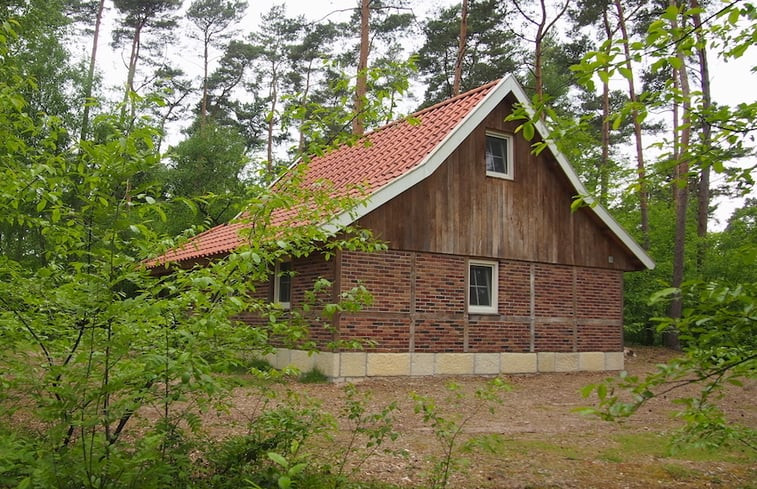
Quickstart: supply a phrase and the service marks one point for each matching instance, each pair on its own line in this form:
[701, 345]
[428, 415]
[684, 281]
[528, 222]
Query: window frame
[277, 274]
[509, 174]
[494, 295]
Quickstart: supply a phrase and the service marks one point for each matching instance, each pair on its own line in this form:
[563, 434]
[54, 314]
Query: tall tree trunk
[361, 86]
[204, 103]
[539, 54]
[543, 26]
[680, 193]
[604, 161]
[640, 164]
[461, 49]
[703, 186]
[133, 59]
[88, 83]
[273, 95]
[303, 103]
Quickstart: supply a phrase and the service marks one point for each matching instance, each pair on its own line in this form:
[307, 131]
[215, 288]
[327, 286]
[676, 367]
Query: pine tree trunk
[703, 185]
[640, 164]
[538, 55]
[84, 132]
[461, 49]
[204, 103]
[681, 196]
[273, 95]
[133, 59]
[604, 161]
[361, 85]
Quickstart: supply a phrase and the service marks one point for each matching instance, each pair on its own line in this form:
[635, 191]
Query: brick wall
[385, 332]
[492, 334]
[306, 271]
[386, 275]
[439, 283]
[420, 305]
[514, 288]
[439, 335]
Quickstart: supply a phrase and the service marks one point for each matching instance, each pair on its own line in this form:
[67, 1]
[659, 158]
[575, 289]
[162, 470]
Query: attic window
[483, 278]
[282, 285]
[499, 155]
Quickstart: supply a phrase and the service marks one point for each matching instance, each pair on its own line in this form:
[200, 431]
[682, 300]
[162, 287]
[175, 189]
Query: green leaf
[278, 459]
[528, 130]
[602, 391]
[285, 482]
[733, 16]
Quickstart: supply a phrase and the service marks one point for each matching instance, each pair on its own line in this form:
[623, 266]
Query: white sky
[732, 82]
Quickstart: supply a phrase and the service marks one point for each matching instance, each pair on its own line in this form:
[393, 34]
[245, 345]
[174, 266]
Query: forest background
[91, 186]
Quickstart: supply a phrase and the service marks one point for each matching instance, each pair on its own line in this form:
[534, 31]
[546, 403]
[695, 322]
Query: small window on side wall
[499, 155]
[483, 278]
[282, 285]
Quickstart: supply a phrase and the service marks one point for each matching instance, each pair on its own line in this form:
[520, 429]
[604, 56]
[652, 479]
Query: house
[488, 270]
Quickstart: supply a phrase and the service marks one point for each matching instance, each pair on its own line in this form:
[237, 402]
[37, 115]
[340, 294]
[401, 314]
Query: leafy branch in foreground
[448, 429]
[720, 350]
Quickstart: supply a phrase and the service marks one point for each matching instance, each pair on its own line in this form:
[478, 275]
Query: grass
[633, 445]
[314, 376]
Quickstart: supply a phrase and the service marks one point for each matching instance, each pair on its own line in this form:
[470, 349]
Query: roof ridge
[429, 109]
[456, 97]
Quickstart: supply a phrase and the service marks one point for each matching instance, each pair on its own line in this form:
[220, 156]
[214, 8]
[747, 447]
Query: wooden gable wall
[459, 210]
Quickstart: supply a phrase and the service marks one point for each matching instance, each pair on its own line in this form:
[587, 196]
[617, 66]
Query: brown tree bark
[273, 94]
[703, 185]
[640, 164]
[461, 49]
[604, 161]
[84, 132]
[680, 194]
[543, 27]
[361, 85]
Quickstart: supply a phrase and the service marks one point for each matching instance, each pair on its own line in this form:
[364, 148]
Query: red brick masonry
[420, 305]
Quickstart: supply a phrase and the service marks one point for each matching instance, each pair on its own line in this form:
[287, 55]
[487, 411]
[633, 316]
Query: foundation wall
[355, 365]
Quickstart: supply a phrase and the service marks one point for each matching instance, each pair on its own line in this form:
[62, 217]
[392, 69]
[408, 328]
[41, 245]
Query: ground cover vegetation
[109, 373]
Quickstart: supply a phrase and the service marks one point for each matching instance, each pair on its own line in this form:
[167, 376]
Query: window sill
[501, 176]
[472, 314]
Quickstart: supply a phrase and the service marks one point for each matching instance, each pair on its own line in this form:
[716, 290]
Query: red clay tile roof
[376, 160]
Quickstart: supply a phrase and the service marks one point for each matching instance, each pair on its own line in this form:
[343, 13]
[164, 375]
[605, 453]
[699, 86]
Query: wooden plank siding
[459, 210]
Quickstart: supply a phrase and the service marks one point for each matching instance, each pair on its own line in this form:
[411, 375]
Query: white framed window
[483, 280]
[282, 284]
[499, 155]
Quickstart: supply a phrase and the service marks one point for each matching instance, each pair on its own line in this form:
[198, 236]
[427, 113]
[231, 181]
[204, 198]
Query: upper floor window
[499, 155]
[282, 284]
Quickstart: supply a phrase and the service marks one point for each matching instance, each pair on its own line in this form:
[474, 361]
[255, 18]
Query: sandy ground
[545, 443]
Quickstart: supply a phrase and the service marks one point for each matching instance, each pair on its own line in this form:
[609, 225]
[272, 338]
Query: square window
[483, 279]
[282, 284]
[499, 155]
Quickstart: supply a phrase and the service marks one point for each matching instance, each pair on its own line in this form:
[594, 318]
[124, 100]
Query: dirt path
[546, 444]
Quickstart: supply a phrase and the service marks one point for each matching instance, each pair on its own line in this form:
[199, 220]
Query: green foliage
[114, 361]
[205, 180]
[447, 424]
[492, 49]
[732, 253]
[372, 429]
[719, 351]
[313, 376]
